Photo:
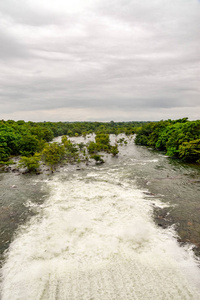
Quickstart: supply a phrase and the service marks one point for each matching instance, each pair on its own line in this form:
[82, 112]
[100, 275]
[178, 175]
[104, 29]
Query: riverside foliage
[27, 138]
[31, 141]
[179, 138]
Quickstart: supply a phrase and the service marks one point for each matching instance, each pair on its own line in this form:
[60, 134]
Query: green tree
[98, 159]
[114, 150]
[81, 146]
[28, 145]
[42, 133]
[53, 154]
[190, 151]
[92, 147]
[4, 151]
[32, 163]
[71, 150]
[179, 138]
[102, 139]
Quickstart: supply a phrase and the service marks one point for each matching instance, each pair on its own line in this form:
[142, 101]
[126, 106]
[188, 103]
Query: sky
[99, 60]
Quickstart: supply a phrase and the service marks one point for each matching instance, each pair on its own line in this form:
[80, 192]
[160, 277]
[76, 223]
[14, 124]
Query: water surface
[93, 236]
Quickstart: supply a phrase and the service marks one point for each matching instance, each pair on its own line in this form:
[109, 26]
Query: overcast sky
[86, 60]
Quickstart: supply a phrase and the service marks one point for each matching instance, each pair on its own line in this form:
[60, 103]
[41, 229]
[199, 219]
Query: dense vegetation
[179, 138]
[31, 141]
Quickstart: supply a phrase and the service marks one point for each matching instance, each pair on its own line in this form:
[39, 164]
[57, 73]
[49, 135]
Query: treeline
[29, 138]
[179, 138]
[69, 152]
[83, 128]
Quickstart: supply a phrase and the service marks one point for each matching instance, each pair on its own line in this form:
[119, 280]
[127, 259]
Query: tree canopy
[179, 138]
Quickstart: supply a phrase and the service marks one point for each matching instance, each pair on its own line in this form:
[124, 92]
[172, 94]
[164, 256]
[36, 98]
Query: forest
[30, 140]
[177, 138]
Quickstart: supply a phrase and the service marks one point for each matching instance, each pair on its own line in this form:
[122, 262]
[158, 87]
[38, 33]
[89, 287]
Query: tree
[28, 145]
[32, 163]
[179, 138]
[190, 151]
[81, 146]
[53, 154]
[102, 139]
[98, 158]
[92, 147]
[4, 151]
[114, 150]
[71, 150]
[42, 133]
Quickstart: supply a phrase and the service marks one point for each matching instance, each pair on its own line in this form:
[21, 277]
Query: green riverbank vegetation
[178, 138]
[33, 142]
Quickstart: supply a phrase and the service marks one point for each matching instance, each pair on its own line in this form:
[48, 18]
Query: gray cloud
[10, 47]
[25, 12]
[123, 57]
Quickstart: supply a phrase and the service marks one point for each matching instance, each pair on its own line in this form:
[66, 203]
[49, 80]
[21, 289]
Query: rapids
[94, 237]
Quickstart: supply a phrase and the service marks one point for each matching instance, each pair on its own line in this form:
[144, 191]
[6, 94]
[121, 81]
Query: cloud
[10, 47]
[27, 12]
[124, 57]
[103, 114]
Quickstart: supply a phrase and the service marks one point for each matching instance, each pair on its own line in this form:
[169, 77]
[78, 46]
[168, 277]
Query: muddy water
[91, 233]
[178, 185]
[16, 192]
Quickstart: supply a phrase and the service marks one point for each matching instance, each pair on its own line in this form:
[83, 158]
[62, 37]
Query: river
[102, 232]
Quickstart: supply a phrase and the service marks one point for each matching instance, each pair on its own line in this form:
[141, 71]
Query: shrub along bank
[179, 138]
[67, 151]
[27, 138]
[38, 150]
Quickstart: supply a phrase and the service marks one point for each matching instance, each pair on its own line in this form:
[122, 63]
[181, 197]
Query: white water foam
[96, 240]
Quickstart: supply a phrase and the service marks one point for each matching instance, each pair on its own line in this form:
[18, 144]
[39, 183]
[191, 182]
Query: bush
[32, 163]
[4, 152]
[92, 147]
[179, 138]
[114, 150]
[53, 154]
[190, 151]
[28, 145]
[98, 158]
